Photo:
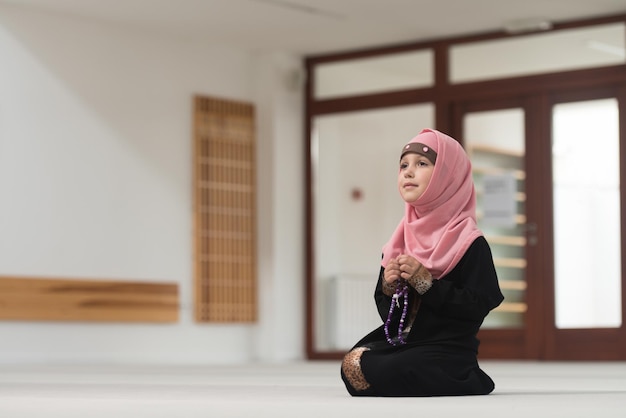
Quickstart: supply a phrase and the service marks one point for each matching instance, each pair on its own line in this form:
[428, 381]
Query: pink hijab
[440, 225]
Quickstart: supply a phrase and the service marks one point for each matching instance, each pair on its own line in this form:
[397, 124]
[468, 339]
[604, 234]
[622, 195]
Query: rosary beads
[402, 291]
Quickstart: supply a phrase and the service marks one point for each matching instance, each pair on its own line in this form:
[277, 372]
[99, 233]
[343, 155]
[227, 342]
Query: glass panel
[356, 208]
[495, 143]
[587, 262]
[373, 75]
[571, 49]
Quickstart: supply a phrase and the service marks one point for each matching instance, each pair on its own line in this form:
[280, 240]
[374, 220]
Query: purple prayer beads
[402, 291]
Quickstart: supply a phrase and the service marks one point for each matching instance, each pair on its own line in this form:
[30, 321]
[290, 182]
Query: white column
[280, 170]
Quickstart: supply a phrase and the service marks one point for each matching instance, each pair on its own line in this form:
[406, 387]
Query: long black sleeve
[383, 302]
[471, 289]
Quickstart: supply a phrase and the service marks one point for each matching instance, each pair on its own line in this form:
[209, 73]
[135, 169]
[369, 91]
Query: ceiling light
[609, 49]
[526, 25]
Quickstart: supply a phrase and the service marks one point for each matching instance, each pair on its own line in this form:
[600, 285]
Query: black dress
[439, 357]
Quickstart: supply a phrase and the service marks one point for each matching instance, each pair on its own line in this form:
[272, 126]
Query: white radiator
[351, 308]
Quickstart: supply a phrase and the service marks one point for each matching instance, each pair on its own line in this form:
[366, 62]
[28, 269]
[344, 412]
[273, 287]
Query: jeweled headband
[419, 148]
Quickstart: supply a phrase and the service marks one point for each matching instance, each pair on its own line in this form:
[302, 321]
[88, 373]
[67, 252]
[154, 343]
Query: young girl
[436, 284]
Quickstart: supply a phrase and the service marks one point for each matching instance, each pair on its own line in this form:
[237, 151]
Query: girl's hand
[392, 271]
[407, 266]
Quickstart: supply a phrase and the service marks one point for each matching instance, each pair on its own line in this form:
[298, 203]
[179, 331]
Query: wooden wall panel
[38, 299]
[225, 211]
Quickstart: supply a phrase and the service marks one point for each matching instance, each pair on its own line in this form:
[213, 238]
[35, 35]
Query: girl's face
[414, 176]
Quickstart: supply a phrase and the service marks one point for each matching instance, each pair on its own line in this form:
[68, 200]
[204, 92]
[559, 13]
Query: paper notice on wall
[499, 200]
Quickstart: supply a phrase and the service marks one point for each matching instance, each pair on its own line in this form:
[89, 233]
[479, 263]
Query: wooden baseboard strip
[43, 299]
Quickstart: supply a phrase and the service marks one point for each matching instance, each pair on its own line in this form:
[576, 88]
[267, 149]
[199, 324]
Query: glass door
[548, 176]
[587, 226]
[586, 214]
[495, 140]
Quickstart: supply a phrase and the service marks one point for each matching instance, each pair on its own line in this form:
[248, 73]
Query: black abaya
[440, 354]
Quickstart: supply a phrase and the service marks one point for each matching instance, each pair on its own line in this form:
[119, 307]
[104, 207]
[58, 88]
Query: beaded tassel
[402, 291]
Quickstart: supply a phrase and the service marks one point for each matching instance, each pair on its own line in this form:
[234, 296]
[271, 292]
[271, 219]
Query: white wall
[95, 182]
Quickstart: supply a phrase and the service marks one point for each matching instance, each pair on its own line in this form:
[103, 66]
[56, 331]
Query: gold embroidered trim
[351, 367]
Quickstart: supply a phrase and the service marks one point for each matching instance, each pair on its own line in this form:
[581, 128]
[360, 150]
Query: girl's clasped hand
[401, 267]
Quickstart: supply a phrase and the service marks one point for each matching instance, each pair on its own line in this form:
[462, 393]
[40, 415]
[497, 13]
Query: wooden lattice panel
[225, 212]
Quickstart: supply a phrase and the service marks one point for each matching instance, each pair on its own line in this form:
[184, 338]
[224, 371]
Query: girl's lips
[409, 185]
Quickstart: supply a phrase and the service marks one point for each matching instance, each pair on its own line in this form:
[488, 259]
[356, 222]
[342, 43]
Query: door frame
[536, 93]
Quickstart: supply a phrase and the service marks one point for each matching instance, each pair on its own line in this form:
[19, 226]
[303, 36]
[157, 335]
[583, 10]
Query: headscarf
[438, 228]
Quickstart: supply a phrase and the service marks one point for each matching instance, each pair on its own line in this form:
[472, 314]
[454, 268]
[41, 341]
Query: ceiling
[319, 26]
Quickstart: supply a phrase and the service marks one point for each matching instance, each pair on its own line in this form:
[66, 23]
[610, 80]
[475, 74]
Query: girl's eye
[403, 166]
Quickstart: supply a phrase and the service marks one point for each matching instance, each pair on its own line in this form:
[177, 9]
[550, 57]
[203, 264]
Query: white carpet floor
[308, 389]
